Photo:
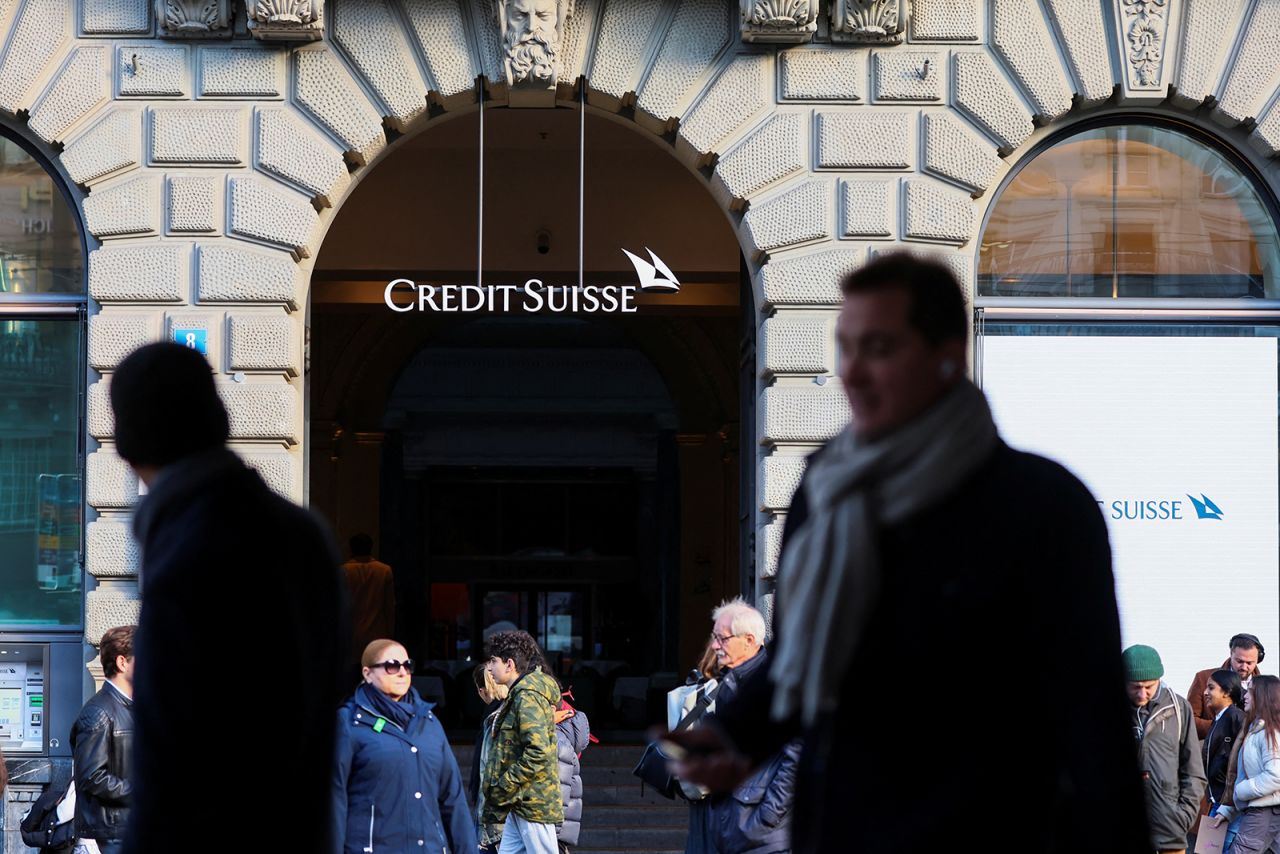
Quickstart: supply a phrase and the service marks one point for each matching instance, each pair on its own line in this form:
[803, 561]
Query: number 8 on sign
[196, 339]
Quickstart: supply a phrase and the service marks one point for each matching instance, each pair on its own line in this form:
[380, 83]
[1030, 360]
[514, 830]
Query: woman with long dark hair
[1223, 699]
[1257, 781]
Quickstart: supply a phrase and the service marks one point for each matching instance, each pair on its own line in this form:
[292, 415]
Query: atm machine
[35, 715]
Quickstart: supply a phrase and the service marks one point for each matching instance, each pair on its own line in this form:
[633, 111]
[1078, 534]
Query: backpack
[41, 828]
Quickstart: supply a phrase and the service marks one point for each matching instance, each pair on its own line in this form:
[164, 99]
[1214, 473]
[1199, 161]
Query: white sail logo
[656, 277]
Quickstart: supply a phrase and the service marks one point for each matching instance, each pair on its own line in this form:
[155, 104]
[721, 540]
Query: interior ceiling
[415, 212]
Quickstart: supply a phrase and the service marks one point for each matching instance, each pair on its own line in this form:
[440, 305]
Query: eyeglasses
[394, 666]
[722, 639]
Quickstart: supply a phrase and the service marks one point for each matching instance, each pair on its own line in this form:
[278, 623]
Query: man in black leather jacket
[101, 742]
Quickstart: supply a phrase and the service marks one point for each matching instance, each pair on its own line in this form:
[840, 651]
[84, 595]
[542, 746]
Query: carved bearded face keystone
[531, 39]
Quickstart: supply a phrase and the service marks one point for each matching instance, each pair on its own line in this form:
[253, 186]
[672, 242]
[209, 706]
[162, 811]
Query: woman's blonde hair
[484, 681]
[373, 652]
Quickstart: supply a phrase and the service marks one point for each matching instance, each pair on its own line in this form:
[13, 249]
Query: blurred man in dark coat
[242, 633]
[967, 584]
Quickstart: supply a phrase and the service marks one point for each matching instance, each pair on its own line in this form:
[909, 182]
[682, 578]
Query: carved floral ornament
[271, 20]
[1145, 25]
[796, 21]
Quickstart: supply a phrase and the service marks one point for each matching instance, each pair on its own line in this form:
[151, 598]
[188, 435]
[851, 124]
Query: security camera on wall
[542, 239]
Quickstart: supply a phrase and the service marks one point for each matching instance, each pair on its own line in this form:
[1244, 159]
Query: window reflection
[1130, 211]
[39, 234]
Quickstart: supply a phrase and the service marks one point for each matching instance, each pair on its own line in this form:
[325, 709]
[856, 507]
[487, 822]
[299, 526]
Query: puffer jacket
[397, 789]
[521, 773]
[1172, 772]
[101, 745]
[1257, 782]
[756, 817]
[573, 734]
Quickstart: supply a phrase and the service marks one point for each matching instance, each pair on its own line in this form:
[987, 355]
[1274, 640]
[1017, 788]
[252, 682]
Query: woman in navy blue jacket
[396, 785]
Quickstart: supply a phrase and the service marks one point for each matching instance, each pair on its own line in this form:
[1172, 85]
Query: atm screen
[11, 714]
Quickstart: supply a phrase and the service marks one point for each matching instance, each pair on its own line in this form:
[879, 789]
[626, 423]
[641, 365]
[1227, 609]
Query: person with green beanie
[1168, 750]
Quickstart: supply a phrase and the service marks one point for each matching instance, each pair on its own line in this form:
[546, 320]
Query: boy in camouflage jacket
[520, 777]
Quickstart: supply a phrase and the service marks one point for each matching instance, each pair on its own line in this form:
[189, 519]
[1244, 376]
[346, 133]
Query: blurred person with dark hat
[208, 526]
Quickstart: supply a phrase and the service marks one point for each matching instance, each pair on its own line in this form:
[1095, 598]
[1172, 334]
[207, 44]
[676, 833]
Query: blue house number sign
[196, 339]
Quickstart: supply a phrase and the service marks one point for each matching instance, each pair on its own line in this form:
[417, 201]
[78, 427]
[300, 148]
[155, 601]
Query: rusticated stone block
[823, 75]
[288, 149]
[261, 212]
[960, 264]
[278, 470]
[867, 209]
[768, 550]
[371, 36]
[266, 410]
[809, 280]
[236, 72]
[323, 88]
[773, 151]
[936, 213]
[796, 343]
[195, 204]
[799, 215]
[802, 413]
[109, 482]
[101, 420]
[79, 88]
[144, 272]
[112, 145]
[945, 20]
[144, 71]
[35, 43]
[699, 31]
[441, 36]
[1254, 72]
[865, 139]
[909, 75]
[984, 93]
[625, 30]
[199, 136]
[738, 94]
[263, 342]
[132, 207]
[1085, 40]
[106, 609]
[779, 476]
[234, 275]
[1023, 40]
[110, 550]
[116, 17]
[954, 152]
[1208, 29]
[114, 335]
[576, 42]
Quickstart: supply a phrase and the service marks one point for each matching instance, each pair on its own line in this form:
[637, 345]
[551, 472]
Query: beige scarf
[829, 578]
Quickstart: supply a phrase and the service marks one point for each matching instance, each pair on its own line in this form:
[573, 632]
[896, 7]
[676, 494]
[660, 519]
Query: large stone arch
[209, 170]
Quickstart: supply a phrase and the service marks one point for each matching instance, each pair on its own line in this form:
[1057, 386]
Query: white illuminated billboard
[1176, 438]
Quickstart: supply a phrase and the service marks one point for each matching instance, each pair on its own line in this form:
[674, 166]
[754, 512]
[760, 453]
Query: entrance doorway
[578, 476]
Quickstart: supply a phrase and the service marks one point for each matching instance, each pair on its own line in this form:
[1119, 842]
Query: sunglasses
[394, 666]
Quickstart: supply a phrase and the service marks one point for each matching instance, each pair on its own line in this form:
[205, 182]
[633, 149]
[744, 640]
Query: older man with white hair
[756, 816]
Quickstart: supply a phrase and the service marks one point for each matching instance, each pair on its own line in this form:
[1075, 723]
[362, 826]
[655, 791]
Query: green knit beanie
[1142, 664]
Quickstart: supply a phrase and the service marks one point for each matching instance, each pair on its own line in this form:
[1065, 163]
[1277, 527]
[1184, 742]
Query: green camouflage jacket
[521, 773]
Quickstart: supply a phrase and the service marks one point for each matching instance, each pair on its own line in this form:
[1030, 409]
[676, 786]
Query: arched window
[42, 309]
[1133, 210]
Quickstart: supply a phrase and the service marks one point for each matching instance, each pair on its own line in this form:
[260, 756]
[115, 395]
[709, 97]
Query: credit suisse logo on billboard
[1161, 509]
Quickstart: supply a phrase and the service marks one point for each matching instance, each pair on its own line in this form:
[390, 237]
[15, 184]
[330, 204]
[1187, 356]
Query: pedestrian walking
[1168, 750]
[1245, 654]
[206, 523]
[491, 694]
[704, 680]
[102, 747]
[1256, 786]
[755, 818]
[878, 571]
[372, 588]
[1224, 699]
[396, 783]
[520, 778]
[573, 736]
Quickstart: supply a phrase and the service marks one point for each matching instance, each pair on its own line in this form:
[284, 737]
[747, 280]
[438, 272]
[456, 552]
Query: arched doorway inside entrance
[576, 475]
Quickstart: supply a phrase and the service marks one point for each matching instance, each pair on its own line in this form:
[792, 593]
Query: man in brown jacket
[1246, 654]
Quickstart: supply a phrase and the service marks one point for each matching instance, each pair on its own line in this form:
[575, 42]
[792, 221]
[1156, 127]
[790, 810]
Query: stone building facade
[209, 146]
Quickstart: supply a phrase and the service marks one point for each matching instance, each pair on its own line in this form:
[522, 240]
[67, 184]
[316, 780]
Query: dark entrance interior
[576, 476]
